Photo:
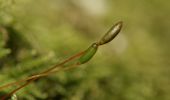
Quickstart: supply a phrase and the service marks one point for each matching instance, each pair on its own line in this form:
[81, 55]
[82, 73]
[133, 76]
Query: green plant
[83, 57]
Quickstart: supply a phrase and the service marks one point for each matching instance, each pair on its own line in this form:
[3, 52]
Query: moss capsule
[111, 34]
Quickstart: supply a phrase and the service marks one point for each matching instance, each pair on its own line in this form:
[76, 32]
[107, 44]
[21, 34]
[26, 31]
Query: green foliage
[35, 34]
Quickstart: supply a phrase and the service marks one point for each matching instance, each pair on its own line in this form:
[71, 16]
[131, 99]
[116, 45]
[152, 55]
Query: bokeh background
[35, 34]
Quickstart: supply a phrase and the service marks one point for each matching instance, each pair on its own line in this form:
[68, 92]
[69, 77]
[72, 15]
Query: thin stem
[30, 79]
[46, 71]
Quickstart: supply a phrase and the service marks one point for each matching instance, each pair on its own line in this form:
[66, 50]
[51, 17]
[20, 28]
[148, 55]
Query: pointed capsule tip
[120, 23]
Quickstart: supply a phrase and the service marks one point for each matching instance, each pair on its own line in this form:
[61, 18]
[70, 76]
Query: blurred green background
[35, 34]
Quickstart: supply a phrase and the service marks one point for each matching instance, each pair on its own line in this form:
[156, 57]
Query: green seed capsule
[111, 34]
[89, 53]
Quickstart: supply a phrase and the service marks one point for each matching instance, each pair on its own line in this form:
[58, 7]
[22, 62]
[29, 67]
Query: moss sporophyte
[82, 57]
